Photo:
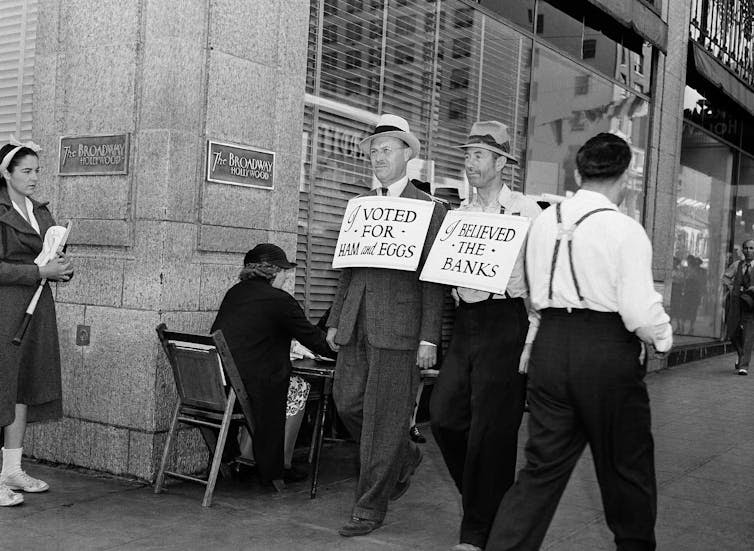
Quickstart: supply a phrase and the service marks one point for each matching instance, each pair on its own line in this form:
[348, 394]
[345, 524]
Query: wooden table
[320, 374]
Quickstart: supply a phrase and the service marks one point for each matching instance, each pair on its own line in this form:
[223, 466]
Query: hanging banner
[240, 165]
[383, 232]
[93, 155]
[476, 250]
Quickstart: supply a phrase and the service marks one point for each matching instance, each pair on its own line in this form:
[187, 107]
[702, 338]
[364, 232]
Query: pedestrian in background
[739, 315]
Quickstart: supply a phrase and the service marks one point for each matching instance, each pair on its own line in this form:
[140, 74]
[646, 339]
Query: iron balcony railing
[725, 28]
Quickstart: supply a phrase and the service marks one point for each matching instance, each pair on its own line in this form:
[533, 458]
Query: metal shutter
[18, 29]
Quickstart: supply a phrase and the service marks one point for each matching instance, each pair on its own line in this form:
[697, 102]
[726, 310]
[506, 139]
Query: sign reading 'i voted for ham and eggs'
[383, 232]
[476, 250]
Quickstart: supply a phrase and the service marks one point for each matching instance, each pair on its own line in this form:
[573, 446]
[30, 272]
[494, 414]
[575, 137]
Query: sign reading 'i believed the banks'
[476, 250]
[93, 155]
[240, 165]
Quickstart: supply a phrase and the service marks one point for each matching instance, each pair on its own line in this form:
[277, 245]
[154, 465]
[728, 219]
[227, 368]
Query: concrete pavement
[703, 418]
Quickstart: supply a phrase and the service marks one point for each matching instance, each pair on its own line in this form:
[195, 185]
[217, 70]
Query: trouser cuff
[369, 514]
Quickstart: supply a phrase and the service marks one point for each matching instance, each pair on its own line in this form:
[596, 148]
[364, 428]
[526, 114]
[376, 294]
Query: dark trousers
[585, 387]
[374, 391]
[476, 408]
[268, 401]
[743, 339]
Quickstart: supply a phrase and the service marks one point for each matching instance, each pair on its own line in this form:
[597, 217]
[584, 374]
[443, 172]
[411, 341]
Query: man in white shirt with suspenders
[589, 269]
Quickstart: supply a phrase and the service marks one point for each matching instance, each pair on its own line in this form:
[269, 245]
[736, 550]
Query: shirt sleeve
[532, 210]
[534, 317]
[639, 305]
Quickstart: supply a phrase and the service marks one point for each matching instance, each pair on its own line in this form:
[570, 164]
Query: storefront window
[702, 234]
[743, 226]
[569, 105]
[440, 65]
[443, 65]
[520, 12]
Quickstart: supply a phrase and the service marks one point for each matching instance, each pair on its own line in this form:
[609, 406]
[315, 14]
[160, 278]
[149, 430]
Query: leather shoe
[416, 436]
[404, 481]
[294, 473]
[359, 527]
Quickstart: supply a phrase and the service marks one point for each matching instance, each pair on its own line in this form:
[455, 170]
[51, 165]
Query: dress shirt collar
[396, 188]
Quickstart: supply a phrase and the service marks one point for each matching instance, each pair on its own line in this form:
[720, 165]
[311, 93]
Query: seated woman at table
[259, 319]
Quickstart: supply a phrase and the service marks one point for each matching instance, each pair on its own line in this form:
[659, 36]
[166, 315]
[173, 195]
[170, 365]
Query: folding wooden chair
[209, 386]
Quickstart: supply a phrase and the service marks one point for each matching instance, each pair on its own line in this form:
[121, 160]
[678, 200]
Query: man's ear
[577, 177]
[500, 162]
[407, 152]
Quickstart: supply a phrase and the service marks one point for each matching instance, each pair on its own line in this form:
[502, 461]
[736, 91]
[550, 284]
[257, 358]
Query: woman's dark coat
[258, 322]
[30, 373]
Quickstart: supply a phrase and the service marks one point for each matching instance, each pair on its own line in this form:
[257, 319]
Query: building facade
[306, 80]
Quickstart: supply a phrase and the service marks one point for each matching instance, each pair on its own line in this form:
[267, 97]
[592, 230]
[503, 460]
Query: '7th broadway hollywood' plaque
[240, 165]
[93, 155]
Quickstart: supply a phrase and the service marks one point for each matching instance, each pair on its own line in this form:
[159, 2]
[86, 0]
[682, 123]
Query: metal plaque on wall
[93, 155]
[240, 165]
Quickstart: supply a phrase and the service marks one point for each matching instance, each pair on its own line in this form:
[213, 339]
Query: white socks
[11, 461]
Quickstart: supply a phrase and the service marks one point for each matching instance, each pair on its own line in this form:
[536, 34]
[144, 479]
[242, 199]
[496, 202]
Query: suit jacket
[399, 309]
[258, 322]
[733, 279]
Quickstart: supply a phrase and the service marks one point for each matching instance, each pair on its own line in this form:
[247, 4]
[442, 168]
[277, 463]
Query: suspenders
[566, 234]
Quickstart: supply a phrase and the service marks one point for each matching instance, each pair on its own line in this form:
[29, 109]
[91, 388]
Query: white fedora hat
[395, 126]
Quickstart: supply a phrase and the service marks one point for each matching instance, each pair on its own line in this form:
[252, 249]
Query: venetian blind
[18, 28]
[440, 65]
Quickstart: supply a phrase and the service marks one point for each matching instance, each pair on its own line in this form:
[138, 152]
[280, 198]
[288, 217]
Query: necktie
[746, 268]
[383, 191]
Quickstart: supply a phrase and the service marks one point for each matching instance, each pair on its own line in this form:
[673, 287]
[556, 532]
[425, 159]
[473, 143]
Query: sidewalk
[703, 416]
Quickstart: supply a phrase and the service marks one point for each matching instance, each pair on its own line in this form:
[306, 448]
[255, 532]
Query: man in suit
[387, 325]
[739, 311]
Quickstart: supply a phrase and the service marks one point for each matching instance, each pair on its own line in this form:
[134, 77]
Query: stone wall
[159, 244]
[665, 148]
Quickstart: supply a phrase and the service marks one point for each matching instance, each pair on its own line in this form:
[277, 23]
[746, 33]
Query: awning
[638, 17]
[718, 75]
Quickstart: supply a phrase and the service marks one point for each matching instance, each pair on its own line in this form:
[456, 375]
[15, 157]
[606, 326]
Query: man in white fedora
[478, 400]
[386, 325]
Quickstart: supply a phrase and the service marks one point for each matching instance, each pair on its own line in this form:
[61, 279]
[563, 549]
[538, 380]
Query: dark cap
[267, 252]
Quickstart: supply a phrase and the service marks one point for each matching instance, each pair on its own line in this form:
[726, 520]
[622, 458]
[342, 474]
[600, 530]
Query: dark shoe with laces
[416, 436]
[359, 527]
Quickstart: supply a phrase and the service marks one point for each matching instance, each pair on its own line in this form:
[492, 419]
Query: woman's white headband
[18, 145]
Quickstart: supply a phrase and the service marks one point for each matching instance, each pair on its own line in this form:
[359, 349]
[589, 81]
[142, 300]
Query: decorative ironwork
[725, 28]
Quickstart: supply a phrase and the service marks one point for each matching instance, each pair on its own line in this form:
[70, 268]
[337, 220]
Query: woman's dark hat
[267, 252]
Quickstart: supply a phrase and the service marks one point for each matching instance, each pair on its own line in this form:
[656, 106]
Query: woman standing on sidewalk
[30, 388]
